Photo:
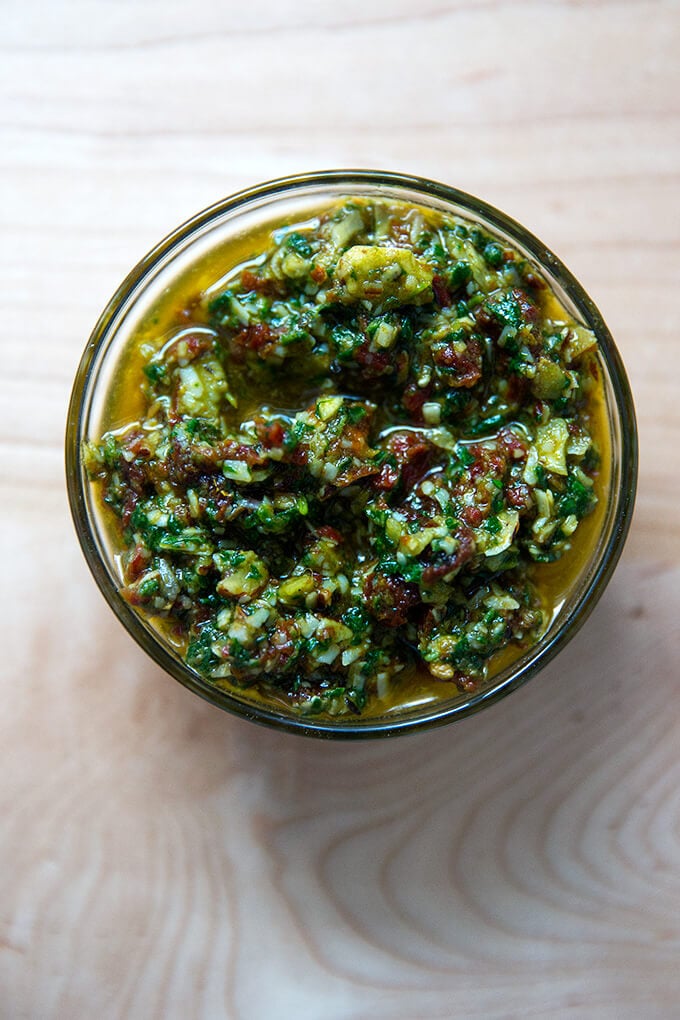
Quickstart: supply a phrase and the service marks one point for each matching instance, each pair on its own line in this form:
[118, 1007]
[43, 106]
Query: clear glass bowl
[292, 198]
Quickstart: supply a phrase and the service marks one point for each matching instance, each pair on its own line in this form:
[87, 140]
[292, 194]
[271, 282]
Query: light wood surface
[161, 859]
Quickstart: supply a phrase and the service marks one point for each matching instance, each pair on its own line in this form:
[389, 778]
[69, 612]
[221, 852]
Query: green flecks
[507, 310]
[492, 525]
[355, 412]
[464, 455]
[577, 499]
[155, 372]
[357, 619]
[493, 254]
[459, 275]
[200, 654]
[148, 587]
[300, 245]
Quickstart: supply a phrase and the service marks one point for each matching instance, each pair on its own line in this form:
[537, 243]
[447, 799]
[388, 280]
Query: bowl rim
[547, 647]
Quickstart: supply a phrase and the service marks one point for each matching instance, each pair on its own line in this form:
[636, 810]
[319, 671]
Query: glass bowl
[232, 218]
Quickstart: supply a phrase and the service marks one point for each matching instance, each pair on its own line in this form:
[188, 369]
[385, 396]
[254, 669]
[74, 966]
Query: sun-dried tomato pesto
[352, 451]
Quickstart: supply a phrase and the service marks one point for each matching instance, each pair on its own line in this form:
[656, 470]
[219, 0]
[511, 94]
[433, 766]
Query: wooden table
[161, 859]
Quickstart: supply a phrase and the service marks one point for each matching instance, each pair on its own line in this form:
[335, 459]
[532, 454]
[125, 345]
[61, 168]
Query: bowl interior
[295, 199]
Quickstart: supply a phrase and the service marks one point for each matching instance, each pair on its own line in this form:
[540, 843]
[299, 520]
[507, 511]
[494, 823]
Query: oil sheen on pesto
[351, 455]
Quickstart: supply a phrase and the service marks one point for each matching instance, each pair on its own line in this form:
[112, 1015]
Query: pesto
[351, 457]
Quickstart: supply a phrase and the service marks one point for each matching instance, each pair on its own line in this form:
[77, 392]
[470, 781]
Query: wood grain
[159, 859]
